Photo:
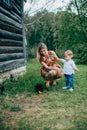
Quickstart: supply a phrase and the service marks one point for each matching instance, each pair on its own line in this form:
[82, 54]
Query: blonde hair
[69, 53]
[39, 48]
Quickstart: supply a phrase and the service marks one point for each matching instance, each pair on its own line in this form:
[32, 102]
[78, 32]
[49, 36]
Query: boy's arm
[74, 66]
[76, 69]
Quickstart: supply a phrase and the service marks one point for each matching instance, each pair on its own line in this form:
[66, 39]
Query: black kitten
[39, 88]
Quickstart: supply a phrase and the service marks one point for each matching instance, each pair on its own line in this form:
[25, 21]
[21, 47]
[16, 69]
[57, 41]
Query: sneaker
[71, 89]
[65, 87]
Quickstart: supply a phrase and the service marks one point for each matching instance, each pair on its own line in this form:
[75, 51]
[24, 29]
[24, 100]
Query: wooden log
[7, 27]
[9, 35]
[17, 5]
[10, 15]
[8, 50]
[10, 65]
[8, 42]
[6, 19]
[18, 2]
[13, 13]
[16, 10]
[12, 56]
[24, 38]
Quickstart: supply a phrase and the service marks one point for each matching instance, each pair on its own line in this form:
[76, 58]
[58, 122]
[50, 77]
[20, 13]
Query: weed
[23, 109]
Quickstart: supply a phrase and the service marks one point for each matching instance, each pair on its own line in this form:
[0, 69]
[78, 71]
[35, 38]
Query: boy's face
[67, 57]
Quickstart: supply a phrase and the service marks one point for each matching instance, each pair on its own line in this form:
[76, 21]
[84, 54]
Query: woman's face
[43, 52]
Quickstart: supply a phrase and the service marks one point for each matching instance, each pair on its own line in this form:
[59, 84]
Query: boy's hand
[76, 69]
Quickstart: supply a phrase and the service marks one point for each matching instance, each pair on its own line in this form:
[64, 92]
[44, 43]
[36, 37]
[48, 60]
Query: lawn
[21, 108]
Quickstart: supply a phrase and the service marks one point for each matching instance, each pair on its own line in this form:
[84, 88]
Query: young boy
[69, 68]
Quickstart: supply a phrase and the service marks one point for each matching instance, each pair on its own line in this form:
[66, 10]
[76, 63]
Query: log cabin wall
[12, 46]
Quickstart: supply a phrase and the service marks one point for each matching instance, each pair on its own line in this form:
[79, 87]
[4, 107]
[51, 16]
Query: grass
[23, 109]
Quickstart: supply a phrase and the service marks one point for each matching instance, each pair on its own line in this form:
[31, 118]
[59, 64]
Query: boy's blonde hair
[39, 48]
[69, 53]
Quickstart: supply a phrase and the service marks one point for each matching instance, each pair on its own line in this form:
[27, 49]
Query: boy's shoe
[71, 89]
[66, 87]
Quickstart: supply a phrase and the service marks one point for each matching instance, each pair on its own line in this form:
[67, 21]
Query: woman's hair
[39, 48]
[69, 53]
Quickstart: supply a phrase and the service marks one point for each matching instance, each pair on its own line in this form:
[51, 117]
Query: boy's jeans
[69, 80]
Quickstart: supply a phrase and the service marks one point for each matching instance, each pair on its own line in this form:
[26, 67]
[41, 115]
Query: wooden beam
[23, 30]
[12, 56]
[9, 42]
[18, 2]
[6, 19]
[10, 15]
[8, 50]
[16, 10]
[17, 5]
[13, 13]
[11, 28]
[9, 35]
[11, 64]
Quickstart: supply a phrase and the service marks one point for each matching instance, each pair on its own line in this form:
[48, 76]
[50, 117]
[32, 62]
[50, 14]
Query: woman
[50, 70]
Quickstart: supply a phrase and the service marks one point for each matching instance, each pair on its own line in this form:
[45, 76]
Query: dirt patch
[37, 111]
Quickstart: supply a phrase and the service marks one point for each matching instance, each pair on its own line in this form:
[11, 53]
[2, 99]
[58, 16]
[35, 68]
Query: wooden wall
[12, 46]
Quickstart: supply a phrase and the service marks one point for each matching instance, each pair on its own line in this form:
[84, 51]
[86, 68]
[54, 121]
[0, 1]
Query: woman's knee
[60, 73]
[52, 73]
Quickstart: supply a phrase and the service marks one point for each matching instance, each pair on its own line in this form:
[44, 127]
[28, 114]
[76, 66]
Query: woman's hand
[56, 57]
[49, 67]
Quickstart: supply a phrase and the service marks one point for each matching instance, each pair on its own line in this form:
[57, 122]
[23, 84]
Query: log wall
[12, 46]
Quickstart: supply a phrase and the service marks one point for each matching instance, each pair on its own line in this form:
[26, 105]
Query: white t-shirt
[69, 66]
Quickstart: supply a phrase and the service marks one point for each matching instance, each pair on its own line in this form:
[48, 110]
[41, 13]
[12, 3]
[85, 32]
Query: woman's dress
[50, 61]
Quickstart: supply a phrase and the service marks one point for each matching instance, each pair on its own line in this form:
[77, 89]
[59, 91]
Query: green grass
[21, 108]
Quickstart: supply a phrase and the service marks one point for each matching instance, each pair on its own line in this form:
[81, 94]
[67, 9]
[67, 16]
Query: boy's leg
[71, 80]
[67, 80]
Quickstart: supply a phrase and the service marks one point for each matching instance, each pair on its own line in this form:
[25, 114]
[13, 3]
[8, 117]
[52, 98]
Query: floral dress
[50, 61]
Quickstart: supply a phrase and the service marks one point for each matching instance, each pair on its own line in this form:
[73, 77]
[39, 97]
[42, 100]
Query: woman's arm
[56, 57]
[49, 67]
